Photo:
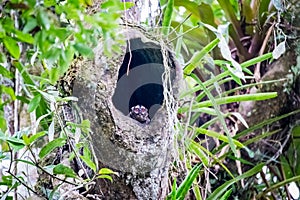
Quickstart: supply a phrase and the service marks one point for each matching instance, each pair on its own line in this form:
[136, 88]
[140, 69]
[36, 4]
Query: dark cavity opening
[143, 83]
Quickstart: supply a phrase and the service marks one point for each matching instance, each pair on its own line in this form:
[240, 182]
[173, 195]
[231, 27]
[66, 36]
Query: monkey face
[140, 113]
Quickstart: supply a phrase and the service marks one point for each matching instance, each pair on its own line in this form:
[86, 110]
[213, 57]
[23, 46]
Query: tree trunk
[144, 74]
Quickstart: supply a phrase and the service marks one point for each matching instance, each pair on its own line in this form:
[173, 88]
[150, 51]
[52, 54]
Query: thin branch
[43, 170]
[262, 50]
[69, 142]
[20, 181]
[184, 33]
[181, 23]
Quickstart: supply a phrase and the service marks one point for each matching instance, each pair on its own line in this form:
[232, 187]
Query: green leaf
[192, 34]
[34, 103]
[3, 125]
[188, 181]
[6, 180]
[197, 191]
[2, 156]
[26, 161]
[206, 14]
[219, 136]
[30, 25]
[195, 60]
[3, 58]
[172, 195]
[2, 31]
[227, 73]
[263, 12]
[43, 19]
[163, 2]
[61, 33]
[188, 5]
[83, 49]
[231, 99]
[86, 158]
[88, 161]
[85, 126]
[223, 188]
[9, 91]
[256, 60]
[106, 177]
[64, 170]
[26, 139]
[103, 171]
[196, 148]
[24, 73]
[15, 143]
[34, 137]
[48, 148]
[296, 131]
[4, 72]
[116, 5]
[12, 47]
[42, 42]
[88, 2]
[24, 37]
[52, 54]
[49, 3]
[215, 104]
[166, 23]
[226, 195]
[53, 75]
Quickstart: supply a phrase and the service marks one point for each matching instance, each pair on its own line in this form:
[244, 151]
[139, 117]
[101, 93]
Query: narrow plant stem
[180, 23]
[243, 54]
[262, 174]
[183, 34]
[55, 177]
[70, 143]
[285, 186]
[262, 49]
[20, 181]
[43, 170]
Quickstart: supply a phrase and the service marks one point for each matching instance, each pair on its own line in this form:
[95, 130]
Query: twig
[285, 186]
[129, 47]
[43, 170]
[184, 33]
[181, 23]
[20, 181]
[69, 191]
[262, 49]
[70, 143]
[262, 174]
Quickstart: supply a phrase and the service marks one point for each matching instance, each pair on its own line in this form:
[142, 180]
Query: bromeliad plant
[242, 31]
[211, 106]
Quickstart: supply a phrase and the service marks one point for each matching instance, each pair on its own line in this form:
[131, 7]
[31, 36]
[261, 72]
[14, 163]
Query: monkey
[140, 114]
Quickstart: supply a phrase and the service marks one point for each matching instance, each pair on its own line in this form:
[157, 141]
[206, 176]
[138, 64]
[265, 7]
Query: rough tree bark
[145, 73]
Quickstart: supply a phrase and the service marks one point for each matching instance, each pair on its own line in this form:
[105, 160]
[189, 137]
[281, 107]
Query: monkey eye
[143, 109]
[136, 110]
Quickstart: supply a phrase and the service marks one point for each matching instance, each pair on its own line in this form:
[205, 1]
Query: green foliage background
[40, 39]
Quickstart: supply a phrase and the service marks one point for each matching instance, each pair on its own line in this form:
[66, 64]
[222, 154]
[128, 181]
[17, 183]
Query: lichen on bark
[139, 153]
